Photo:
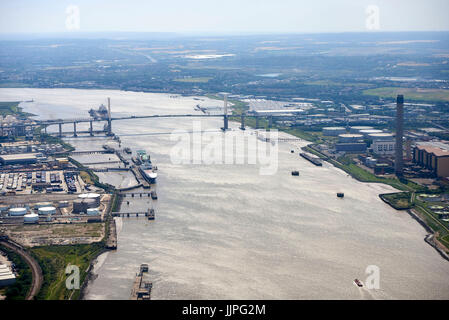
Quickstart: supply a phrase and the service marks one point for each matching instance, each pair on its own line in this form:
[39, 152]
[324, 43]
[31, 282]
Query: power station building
[433, 156]
[382, 147]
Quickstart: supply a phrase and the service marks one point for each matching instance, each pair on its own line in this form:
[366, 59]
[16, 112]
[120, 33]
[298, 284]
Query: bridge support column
[45, 129]
[225, 112]
[60, 129]
[225, 122]
[257, 122]
[270, 121]
[242, 126]
[74, 130]
[91, 129]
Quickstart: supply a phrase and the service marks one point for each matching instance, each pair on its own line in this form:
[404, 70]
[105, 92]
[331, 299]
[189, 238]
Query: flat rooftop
[439, 149]
[18, 156]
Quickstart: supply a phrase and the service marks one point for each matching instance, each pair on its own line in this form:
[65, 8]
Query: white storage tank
[384, 136]
[16, 212]
[91, 196]
[47, 210]
[30, 218]
[349, 137]
[356, 129]
[42, 204]
[93, 212]
[370, 131]
[333, 131]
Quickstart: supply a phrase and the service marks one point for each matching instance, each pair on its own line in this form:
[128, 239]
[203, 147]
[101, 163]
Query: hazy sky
[258, 16]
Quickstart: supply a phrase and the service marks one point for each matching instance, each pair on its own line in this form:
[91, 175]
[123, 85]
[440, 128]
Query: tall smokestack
[109, 117]
[399, 161]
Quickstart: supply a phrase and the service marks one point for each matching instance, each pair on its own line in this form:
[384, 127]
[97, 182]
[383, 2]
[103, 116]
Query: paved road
[35, 269]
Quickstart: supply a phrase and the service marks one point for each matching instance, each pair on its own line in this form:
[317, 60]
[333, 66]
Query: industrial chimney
[399, 161]
[109, 117]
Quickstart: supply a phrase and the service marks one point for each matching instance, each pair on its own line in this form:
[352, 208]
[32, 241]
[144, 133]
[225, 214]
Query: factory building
[22, 158]
[433, 156]
[383, 147]
[7, 277]
[333, 131]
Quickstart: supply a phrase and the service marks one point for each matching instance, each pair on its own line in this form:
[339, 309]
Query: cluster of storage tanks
[86, 203]
[357, 134]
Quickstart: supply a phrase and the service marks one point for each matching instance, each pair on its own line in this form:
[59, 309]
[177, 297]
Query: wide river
[224, 231]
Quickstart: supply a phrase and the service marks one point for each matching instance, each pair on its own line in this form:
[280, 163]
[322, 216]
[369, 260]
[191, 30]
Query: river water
[228, 232]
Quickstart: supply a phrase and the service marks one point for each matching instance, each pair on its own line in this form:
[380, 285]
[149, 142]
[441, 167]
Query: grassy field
[12, 108]
[86, 177]
[433, 95]
[399, 200]
[440, 228]
[54, 260]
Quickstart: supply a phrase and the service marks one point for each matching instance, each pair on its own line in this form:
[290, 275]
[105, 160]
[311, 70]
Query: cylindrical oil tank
[356, 129]
[30, 218]
[384, 136]
[91, 203]
[63, 204]
[94, 196]
[333, 131]
[367, 132]
[15, 212]
[43, 204]
[46, 210]
[349, 137]
[79, 206]
[93, 212]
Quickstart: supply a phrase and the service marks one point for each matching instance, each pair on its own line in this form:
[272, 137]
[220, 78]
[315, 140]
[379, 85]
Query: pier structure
[141, 289]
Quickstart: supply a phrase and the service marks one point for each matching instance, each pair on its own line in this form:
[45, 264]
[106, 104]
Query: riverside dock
[141, 288]
[111, 242]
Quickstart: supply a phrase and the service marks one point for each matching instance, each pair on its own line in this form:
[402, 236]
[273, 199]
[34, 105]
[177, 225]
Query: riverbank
[228, 232]
[398, 201]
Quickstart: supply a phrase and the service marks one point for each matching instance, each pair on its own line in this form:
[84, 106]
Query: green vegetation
[18, 290]
[194, 80]
[86, 177]
[46, 138]
[116, 201]
[399, 200]
[438, 95]
[12, 108]
[439, 227]
[54, 260]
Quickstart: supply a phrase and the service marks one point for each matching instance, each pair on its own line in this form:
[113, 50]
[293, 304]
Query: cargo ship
[314, 160]
[146, 167]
